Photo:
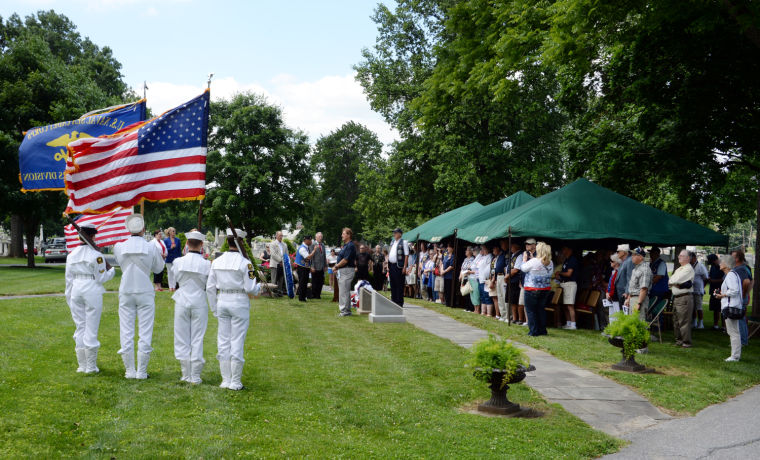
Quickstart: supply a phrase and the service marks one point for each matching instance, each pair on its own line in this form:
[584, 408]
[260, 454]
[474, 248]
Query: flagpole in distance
[200, 202]
[145, 96]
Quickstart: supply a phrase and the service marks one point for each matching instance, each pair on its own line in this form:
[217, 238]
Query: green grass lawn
[20, 260]
[40, 280]
[318, 386]
[687, 380]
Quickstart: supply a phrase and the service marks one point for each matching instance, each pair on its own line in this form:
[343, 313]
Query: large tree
[48, 74]
[464, 85]
[337, 162]
[665, 99]
[257, 168]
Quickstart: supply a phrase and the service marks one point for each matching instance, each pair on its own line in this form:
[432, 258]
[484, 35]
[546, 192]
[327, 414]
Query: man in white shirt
[137, 259]
[85, 274]
[231, 283]
[190, 308]
[484, 274]
[700, 276]
[398, 258]
[683, 300]
[277, 250]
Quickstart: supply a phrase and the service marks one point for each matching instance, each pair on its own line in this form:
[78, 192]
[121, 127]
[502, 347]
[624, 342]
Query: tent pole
[509, 283]
[419, 266]
[454, 264]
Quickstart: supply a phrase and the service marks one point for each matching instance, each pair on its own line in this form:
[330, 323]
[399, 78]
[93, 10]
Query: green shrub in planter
[634, 331]
[495, 353]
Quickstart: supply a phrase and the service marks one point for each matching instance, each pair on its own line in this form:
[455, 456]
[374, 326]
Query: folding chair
[554, 306]
[655, 310]
[589, 307]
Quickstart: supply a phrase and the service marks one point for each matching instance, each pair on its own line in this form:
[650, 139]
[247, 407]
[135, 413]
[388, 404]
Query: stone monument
[385, 310]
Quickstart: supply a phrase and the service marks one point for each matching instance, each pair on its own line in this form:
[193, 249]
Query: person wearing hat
[639, 284]
[138, 260]
[303, 267]
[190, 308]
[624, 272]
[231, 283]
[398, 258]
[85, 274]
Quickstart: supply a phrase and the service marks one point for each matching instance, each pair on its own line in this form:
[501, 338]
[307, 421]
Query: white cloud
[316, 107]
[150, 12]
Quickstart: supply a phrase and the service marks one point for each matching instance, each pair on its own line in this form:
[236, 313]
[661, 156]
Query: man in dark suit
[318, 266]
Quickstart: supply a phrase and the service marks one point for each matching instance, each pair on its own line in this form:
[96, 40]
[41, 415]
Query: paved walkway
[723, 431]
[603, 404]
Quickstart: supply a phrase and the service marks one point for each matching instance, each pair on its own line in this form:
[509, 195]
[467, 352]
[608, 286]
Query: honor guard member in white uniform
[85, 274]
[190, 308]
[231, 283]
[139, 260]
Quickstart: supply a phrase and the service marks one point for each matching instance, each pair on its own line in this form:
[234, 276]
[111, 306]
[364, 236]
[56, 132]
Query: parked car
[56, 250]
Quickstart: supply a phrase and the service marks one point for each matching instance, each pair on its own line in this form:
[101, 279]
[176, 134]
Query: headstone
[385, 310]
[365, 302]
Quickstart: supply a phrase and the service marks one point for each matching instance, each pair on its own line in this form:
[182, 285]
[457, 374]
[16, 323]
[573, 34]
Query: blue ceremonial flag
[42, 154]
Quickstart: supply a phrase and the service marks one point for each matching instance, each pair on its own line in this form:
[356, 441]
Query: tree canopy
[257, 168]
[48, 73]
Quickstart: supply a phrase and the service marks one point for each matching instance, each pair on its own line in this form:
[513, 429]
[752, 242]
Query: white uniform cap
[135, 223]
[623, 247]
[239, 232]
[195, 236]
[530, 241]
[88, 225]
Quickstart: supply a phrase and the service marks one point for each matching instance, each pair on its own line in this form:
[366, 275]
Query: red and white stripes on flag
[111, 228]
[158, 160]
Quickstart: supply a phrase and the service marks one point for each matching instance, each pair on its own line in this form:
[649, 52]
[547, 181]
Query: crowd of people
[508, 282]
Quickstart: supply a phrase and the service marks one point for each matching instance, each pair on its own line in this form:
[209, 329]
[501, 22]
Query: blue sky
[298, 53]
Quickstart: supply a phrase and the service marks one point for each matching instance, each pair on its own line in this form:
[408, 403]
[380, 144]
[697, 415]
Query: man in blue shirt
[497, 277]
[568, 280]
[345, 266]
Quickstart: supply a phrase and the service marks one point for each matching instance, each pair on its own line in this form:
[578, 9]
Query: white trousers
[233, 327]
[85, 311]
[344, 289]
[170, 276]
[142, 307]
[189, 329]
[501, 292]
[732, 327]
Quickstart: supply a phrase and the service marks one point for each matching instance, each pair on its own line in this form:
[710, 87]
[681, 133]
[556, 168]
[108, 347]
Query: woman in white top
[159, 243]
[537, 284]
[484, 274]
[464, 275]
[730, 295]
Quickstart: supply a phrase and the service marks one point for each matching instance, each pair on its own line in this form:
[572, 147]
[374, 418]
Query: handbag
[466, 288]
[733, 312]
[437, 272]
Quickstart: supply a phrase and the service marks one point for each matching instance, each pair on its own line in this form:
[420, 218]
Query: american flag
[157, 160]
[111, 228]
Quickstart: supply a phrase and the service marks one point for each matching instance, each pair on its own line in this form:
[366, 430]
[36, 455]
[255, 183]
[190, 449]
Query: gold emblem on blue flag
[42, 154]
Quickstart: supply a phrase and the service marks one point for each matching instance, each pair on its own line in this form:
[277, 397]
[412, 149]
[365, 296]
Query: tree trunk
[17, 237]
[756, 289]
[29, 226]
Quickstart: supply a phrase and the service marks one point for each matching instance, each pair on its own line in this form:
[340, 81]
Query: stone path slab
[603, 404]
[723, 431]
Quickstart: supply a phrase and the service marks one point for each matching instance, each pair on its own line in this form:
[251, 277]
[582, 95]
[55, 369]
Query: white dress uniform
[190, 313]
[85, 274]
[138, 260]
[230, 281]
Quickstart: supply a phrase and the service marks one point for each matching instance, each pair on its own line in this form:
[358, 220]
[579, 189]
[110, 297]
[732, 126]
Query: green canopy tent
[444, 225]
[586, 211]
[492, 210]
